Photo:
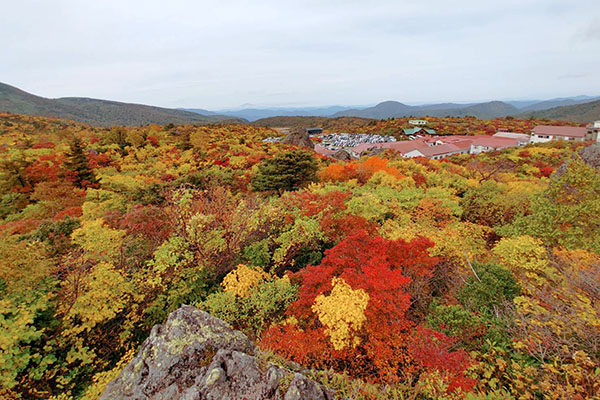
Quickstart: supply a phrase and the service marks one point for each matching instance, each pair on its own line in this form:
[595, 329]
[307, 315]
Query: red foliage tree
[432, 351]
[380, 268]
[150, 222]
[45, 168]
[335, 222]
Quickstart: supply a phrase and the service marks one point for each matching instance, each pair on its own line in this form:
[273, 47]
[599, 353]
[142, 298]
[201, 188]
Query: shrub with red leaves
[380, 268]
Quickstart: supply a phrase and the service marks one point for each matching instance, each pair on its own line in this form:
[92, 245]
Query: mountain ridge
[394, 109]
[559, 102]
[253, 113]
[98, 112]
[584, 112]
[110, 113]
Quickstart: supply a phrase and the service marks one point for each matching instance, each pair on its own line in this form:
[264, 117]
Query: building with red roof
[419, 148]
[521, 137]
[442, 147]
[547, 133]
[483, 143]
[324, 151]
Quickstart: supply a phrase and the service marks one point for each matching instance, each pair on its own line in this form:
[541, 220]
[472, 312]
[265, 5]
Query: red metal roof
[522, 137]
[570, 131]
[324, 150]
[402, 147]
[441, 149]
[495, 142]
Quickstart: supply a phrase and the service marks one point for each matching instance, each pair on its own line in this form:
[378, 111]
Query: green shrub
[258, 253]
[453, 320]
[265, 304]
[493, 286]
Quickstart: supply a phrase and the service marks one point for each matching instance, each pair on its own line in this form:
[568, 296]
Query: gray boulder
[299, 138]
[342, 155]
[197, 356]
[589, 155]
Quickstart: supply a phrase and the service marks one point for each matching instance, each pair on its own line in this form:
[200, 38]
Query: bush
[265, 304]
[258, 253]
[454, 320]
[493, 286]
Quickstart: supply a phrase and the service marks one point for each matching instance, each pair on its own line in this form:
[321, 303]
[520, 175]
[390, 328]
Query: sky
[229, 54]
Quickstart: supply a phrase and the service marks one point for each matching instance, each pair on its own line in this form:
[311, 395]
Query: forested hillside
[98, 112]
[472, 277]
[580, 112]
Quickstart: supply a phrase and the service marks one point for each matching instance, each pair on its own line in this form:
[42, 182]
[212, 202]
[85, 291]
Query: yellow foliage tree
[342, 313]
[106, 294]
[242, 279]
[557, 313]
[99, 241]
[527, 259]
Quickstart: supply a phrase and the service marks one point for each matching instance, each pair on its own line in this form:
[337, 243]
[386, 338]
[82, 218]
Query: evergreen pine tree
[285, 171]
[77, 162]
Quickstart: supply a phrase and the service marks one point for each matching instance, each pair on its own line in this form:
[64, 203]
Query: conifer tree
[285, 171]
[77, 163]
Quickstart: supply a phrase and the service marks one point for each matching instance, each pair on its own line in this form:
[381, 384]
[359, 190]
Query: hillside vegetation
[98, 112]
[586, 112]
[474, 277]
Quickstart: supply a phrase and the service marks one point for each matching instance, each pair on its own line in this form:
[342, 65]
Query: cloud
[222, 53]
[573, 76]
[592, 33]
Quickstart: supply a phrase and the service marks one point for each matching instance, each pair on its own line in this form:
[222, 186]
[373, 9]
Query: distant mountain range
[110, 113]
[253, 114]
[99, 112]
[565, 101]
[395, 109]
[489, 110]
[584, 112]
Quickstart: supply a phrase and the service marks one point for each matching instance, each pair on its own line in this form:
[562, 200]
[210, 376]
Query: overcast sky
[224, 54]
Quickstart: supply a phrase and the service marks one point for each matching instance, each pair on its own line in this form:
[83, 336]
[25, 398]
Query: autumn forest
[472, 277]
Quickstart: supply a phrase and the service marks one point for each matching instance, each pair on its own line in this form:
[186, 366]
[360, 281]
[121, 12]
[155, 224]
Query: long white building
[547, 133]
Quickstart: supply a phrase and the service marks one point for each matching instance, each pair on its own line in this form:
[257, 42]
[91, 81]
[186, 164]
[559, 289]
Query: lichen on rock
[194, 355]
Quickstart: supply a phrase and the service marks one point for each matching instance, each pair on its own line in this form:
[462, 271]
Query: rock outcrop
[197, 356]
[299, 138]
[342, 155]
[374, 152]
[589, 155]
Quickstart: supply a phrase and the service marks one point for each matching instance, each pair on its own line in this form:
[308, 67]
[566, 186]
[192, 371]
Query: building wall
[413, 154]
[477, 149]
[453, 153]
[593, 132]
[573, 139]
[540, 138]
[547, 138]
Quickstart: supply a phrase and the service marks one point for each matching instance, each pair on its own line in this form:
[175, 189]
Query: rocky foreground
[197, 356]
